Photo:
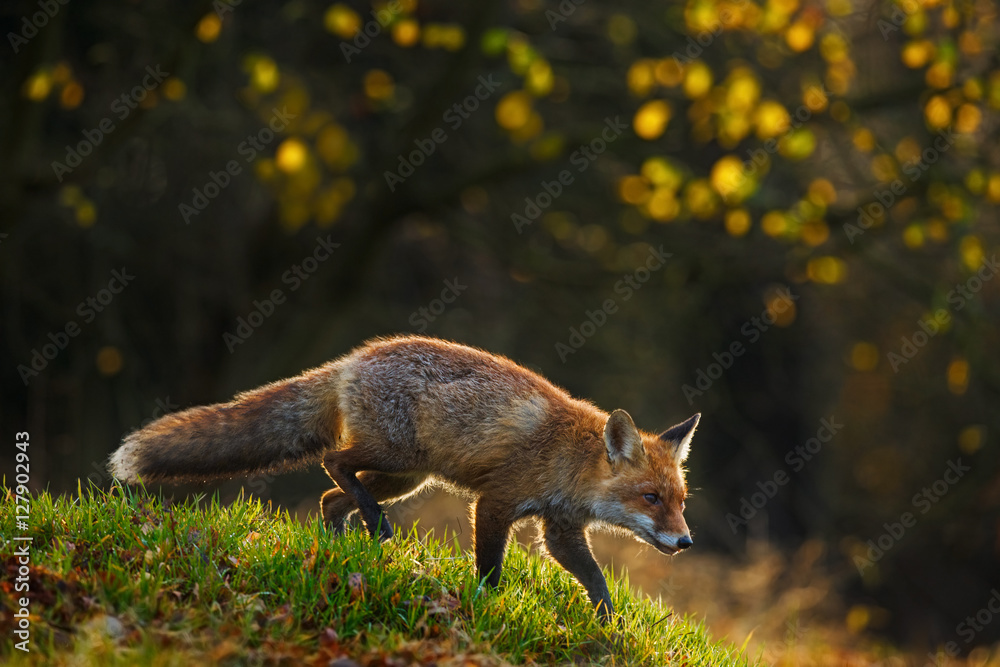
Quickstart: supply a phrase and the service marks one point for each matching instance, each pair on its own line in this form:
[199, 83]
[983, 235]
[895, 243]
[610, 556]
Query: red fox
[398, 413]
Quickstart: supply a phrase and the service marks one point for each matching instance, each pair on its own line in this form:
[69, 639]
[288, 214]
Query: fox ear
[680, 437]
[622, 438]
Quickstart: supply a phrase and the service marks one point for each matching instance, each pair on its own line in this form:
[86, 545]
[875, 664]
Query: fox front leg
[568, 546]
[492, 531]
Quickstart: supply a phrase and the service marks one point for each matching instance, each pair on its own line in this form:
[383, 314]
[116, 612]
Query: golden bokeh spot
[971, 249]
[937, 230]
[821, 192]
[815, 98]
[331, 144]
[913, 236]
[743, 90]
[208, 28]
[37, 86]
[539, 78]
[975, 181]
[940, 74]
[958, 376]
[774, 223]
[798, 144]
[379, 85]
[342, 21]
[815, 232]
[520, 54]
[621, 29]
[291, 156]
[697, 80]
[840, 112]
[969, 43]
[514, 110]
[993, 188]
[530, 129]
[839, 8]
[634, 190]
[661, 172]
[863, 139]
[728, 179]
[916, 22]
[884, 168]
[701, 17]
[592, 238]
[857, 619]
[449, 36]
[917, 53]
[864, 356]
[968, 118]
[650, 120]
[264, 75]
[780, 308]
[662, 205]
[833, 47]
[771, 119]
[85, 213]
[700, 199]
[733, 128]
[972, 89]
[827, 270]
[406, 32]
[559, 225]
[174, 89]
[950, 16]
[71, 95]
[109, 360]
[800, 36]
[641, 76]
[70, 195]
[668, 72]
[548, 147]
[937, 113]
[61, 73]
[970, 438]
[737, 222]
[907, 149]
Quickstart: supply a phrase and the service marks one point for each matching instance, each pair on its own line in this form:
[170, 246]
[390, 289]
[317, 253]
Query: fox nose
[684, 542]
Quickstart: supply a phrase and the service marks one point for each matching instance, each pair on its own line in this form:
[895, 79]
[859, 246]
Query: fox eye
[652, 498]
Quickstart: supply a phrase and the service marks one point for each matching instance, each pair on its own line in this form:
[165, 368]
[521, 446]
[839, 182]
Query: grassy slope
[118, 578]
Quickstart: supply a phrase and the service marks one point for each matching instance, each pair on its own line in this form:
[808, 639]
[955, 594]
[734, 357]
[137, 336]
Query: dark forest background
[824, 176]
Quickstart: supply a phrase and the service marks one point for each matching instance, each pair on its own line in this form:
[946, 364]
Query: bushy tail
[277, 427]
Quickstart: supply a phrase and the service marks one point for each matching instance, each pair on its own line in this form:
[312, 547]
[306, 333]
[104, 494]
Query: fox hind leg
[343, 466]
[337, 505]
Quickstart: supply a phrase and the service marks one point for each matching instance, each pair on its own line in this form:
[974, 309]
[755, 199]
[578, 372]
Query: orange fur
[398, 413]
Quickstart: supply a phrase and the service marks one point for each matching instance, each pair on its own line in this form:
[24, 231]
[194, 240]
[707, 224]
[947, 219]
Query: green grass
[125, 578]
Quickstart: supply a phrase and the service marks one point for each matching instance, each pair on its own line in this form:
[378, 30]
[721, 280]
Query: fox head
[646, 490]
